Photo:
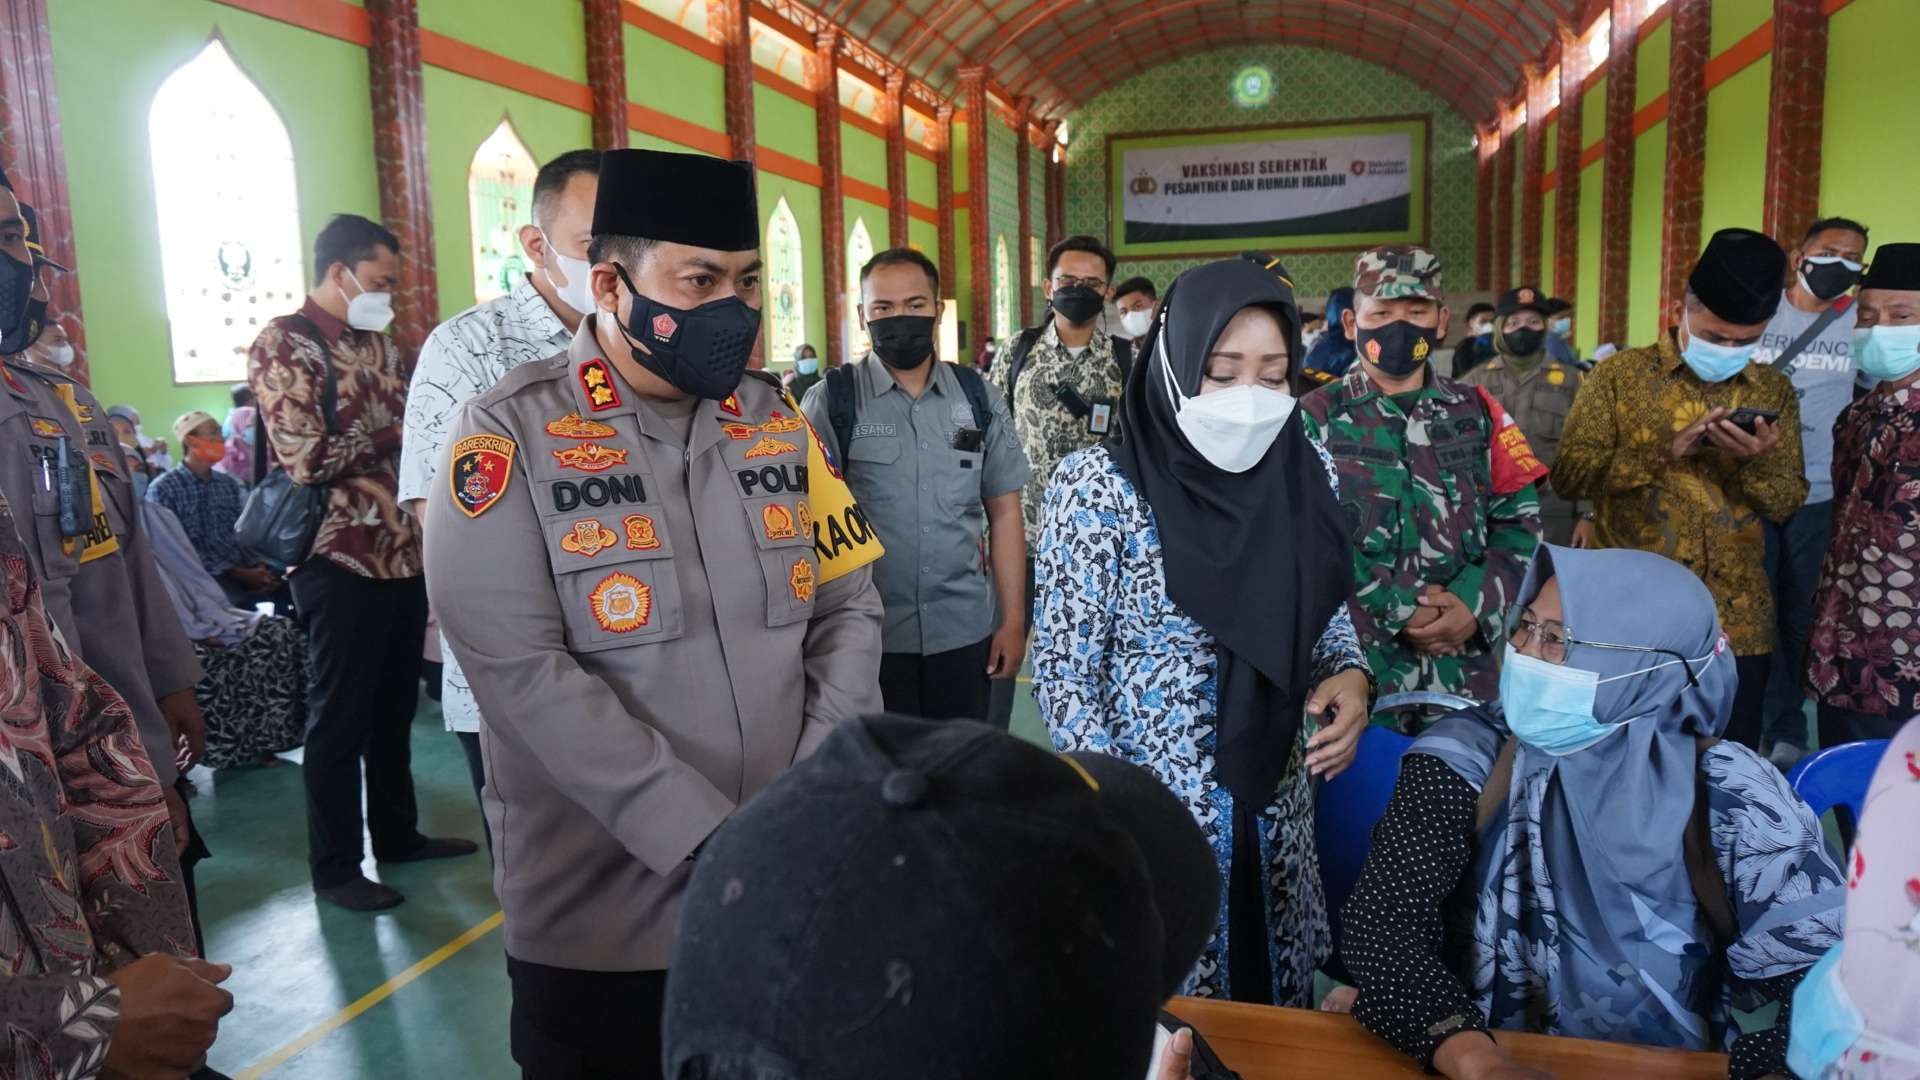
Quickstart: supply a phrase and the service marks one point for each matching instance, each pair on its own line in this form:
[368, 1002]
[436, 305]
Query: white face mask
[576, 291]
[369, 310]
[1311, 338]
[60, 356]
[1232, 428]
[1135, 323]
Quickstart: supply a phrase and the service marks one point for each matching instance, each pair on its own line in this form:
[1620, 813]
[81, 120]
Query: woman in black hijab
[1192, 582]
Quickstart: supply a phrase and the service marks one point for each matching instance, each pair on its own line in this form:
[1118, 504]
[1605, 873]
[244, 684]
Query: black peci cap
[691, 199]
[942, 901]
[1894, 266]
[1524, 298]
[1740, 276]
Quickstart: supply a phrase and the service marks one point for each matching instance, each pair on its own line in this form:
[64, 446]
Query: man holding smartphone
[928, 450]
[1687, 445]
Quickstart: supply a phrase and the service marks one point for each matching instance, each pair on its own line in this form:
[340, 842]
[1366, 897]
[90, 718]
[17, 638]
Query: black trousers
[1000, 712]
[476, 769]
[1750, 700]
[952, 685]
[363, 652]
[586, 1025]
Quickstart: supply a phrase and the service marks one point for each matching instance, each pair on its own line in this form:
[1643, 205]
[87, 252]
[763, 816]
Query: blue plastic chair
[1838, 775]
[1349, 806]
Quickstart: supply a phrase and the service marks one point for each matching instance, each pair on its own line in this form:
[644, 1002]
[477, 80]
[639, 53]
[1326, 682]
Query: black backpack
[843, 406]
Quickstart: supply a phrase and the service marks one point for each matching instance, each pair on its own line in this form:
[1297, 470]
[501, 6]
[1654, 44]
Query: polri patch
[771, 447]
[640, 534]
[621, 603]
[482, 469]
[574, 426]
[778, 522]
[588, 538]
[589, 457]
[596, 382]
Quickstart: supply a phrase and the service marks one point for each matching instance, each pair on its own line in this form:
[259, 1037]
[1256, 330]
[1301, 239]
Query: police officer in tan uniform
[623, 558]
[1537, 391]
[62, 471]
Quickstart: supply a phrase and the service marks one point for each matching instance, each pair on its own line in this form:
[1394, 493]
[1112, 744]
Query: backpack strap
[1123, 357]
[1017, 358]
[974, 385]
[1494, 792]
[1703, 867]
[842, 409]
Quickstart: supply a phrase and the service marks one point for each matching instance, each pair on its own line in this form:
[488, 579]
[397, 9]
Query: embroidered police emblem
[482, 469]
[801, 580]
[778, 522]
[640, 534]
[621, 603]
[588, 538]
[589, 457]
[771, 447]
[573, 426]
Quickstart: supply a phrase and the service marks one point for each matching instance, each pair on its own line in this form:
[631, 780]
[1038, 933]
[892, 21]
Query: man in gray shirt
[1816, 308]
[929, 452]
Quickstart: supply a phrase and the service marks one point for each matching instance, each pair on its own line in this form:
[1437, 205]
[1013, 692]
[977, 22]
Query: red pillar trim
[31, 151]
[1533, 167]
[1483, 209]
[833, 206]
[896, 121]
[1056, 186]
[973, 90]
[607, 71]
[1566, 200]
[1023, 173]
[730, 19]
[1686, 148]
[400, 162]
[943, 167]
[1794, 121]
[1506, 164]
[1616, 207]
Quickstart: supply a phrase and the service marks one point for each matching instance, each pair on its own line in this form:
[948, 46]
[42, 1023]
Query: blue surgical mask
[1827, 1024]
[1888, 352]
[1715, 363]
[140, 482]
[1561, 326]
[807, 365]
[1550, 706]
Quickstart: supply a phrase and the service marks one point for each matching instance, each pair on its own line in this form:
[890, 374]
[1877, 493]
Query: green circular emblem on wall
[1252, 87]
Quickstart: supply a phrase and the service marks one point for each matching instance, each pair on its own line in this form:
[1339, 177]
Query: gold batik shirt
[1702, 511]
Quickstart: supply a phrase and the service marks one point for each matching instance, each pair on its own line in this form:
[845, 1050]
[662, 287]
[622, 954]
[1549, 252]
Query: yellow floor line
[373, 997]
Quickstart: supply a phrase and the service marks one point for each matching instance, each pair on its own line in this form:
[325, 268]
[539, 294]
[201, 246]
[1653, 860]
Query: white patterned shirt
[462, 359]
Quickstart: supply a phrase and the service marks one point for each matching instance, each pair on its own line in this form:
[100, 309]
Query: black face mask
[702, 351]
[19, 322]
[1828, 281]
[1399, 348]
[1078, 303]
[1524, 342]
[902, 341]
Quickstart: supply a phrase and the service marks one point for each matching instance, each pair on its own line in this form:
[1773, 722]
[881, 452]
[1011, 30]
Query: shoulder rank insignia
[731, 406]
[482, 468]
[596, 382]
[45, 428]
[738, 431]
[801, 580]
[588, 538]
[780, 424]
[771, 447]
[589, 457]
[572, 426]
[621, 603]
[640, 534]
[778, 522]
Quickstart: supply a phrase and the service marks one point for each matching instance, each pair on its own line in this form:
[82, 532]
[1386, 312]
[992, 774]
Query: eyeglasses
[1556, 644]
[1068, 281]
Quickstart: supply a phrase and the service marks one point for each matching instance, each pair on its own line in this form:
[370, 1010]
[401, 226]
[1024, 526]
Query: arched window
[786, 284]
[228, 214]
[499, 201]
[859, 250]
[1002, 290]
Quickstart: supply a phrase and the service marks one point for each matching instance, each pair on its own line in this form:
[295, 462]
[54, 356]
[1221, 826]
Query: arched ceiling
[1065, 52]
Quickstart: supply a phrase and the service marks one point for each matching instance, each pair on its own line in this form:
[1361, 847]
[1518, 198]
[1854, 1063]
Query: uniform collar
[880, 378]
[531, 312]
[330, 328]
[1360, 386]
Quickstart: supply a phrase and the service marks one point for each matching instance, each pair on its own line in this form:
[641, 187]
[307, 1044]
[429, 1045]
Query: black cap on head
[690, 199]
[1524, 298]
[1555, 305]
[935, 900]
[1739, 276]
[1894, 266]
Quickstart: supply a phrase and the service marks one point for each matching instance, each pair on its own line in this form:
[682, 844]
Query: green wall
[1586, 299]
[547, 34]
[666, 78]
[1735, 174]
[110, 56]
[1313, 85]
[1869, 152]
[1649, 218]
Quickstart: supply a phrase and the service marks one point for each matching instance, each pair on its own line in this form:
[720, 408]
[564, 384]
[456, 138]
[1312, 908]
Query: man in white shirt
[468, 353]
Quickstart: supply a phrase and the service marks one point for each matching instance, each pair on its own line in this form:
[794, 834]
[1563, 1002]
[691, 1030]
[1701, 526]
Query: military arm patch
[1514, 463]
[482, 469]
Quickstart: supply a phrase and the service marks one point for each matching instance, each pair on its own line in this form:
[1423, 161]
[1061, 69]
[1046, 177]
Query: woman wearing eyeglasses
[1585, 857]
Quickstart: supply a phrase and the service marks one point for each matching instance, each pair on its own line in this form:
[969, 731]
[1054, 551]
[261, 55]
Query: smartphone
[969, 439]
[1744, 418]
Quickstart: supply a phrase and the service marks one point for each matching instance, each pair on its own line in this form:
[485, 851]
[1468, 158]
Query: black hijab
[1261, 558]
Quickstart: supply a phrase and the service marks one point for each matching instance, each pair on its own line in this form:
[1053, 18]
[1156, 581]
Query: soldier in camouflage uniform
[1437, 483]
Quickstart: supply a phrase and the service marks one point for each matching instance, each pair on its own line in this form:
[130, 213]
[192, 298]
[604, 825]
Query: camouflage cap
[1397, 271]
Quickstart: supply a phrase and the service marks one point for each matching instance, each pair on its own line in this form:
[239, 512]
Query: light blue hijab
[1586, 922]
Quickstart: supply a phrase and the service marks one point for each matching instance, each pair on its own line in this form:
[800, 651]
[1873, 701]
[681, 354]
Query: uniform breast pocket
[614, 577]
[868, 456]
[793, 575]
[58, 553]
[960, 480]
[1372, 520]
